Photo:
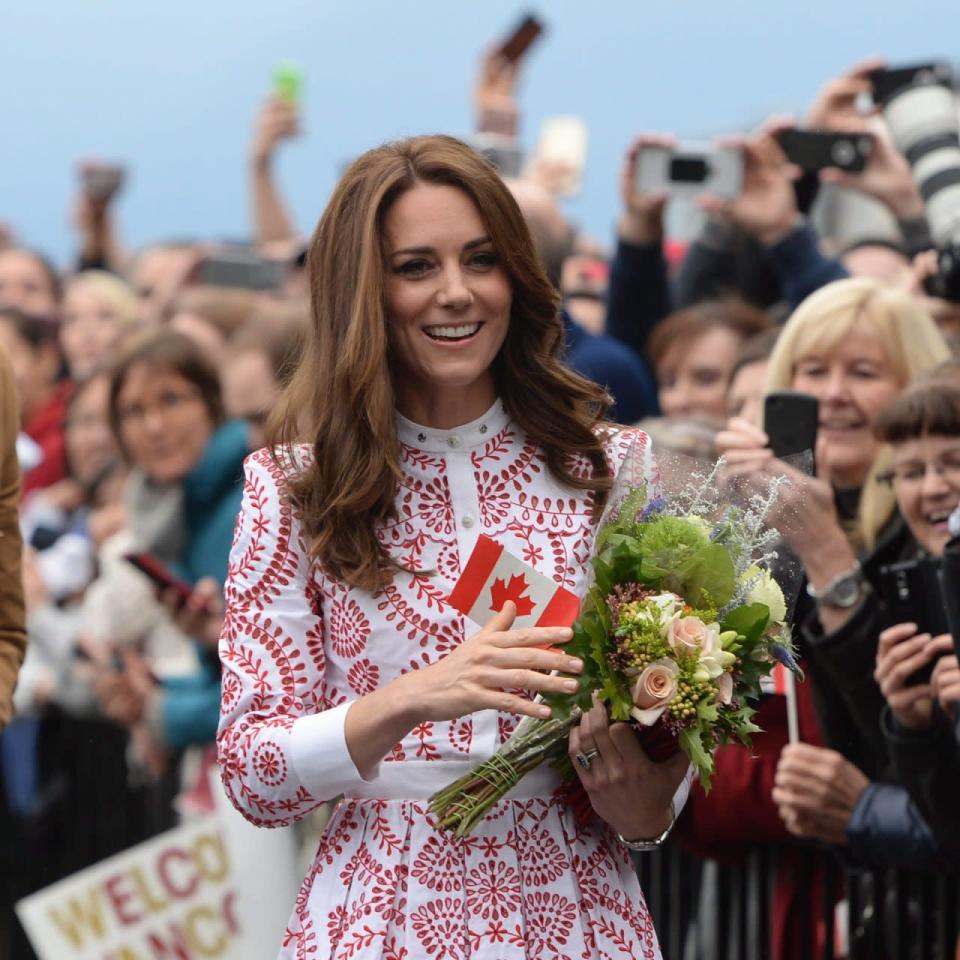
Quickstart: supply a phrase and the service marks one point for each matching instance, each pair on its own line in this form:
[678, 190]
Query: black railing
[705, 911]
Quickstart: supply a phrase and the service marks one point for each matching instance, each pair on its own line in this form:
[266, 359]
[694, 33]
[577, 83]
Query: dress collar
[465, 437]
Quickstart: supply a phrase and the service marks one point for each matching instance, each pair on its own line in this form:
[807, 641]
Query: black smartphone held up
[886, 81]
[161, 575]
[522, 38]
[242, 269]
[913, 593]
[790, 422]
[815, 150]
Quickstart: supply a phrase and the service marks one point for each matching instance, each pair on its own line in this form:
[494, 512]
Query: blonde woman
[854, 345]
[99, 313]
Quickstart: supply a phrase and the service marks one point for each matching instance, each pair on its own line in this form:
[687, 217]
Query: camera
[920, 110]
[692, 169]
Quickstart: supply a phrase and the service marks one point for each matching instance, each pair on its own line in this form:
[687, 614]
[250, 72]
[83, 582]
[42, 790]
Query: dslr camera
[920, 109]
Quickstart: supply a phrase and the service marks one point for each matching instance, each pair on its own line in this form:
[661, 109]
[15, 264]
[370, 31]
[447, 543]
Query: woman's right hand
[743, 445]
[483, 672]
[900, 653]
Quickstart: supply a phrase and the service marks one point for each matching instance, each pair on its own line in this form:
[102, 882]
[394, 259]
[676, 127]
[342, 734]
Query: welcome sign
[170, 897]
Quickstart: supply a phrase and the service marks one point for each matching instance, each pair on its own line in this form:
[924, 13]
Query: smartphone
[790, 421]
[815, 150]
[913, 593]
[288, 81]
[886, 81]
[691, 168]
[563, 144]
[161, 575]
[243, 269]
[100, 181]
[522, 38]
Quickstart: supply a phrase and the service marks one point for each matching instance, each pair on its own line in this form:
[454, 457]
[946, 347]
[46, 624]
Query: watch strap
[651, 844]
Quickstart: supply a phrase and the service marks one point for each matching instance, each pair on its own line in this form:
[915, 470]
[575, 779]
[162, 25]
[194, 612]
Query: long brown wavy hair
[341, 397]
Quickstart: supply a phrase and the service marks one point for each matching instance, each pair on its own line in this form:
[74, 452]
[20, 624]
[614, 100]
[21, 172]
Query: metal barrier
[706, 911]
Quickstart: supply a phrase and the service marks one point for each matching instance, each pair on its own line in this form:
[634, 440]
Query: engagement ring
[584, 758]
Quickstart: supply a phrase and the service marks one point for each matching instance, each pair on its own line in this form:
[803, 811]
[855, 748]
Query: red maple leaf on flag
[501, 592]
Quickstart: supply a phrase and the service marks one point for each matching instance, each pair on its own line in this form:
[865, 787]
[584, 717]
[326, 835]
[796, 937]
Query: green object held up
[288, 81]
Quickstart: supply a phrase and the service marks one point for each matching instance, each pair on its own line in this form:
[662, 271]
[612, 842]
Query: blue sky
[171, 88]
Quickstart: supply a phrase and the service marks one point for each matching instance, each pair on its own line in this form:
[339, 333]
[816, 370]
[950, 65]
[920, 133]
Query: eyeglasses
[170, 403]
[913, 474]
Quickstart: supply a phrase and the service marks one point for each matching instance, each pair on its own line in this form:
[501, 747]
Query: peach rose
[691, 636]
[653, 690]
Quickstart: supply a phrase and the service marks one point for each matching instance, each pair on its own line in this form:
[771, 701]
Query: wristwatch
[646, 845]
[844, 591]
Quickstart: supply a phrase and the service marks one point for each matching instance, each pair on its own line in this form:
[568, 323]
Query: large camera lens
[923, 121]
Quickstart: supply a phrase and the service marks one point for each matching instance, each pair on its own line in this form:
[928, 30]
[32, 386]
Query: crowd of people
[144, 380]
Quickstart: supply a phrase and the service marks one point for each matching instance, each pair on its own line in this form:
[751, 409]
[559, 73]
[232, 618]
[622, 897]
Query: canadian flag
[493, 575]
[776, 682]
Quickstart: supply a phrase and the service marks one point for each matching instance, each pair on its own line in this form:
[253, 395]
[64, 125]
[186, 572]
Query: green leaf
[692, 745]
[707, 711]
[750, 621]
[708, 577]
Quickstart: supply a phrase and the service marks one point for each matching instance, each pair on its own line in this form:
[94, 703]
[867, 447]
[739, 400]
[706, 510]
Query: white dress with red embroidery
[299, 647]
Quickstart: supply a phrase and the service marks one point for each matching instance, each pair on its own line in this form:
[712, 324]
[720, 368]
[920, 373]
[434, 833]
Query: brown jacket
[13, 633]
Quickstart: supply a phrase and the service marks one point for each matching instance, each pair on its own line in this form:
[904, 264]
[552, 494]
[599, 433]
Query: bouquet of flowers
[681, 620]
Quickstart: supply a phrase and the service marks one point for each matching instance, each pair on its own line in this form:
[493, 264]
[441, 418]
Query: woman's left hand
[626, 788]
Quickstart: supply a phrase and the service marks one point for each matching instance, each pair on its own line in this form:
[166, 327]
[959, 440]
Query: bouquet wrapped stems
[463, 803]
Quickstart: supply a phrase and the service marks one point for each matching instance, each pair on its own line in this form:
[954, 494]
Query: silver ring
[584, 759]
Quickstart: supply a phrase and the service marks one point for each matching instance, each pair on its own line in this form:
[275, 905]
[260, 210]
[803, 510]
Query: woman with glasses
[923, 430]
[182, 496]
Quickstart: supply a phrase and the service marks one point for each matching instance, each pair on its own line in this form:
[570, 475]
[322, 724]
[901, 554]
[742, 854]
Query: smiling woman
[448, 299]
[431, 405]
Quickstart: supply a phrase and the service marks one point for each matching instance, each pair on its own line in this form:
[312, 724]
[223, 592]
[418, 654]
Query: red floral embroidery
[385, 884]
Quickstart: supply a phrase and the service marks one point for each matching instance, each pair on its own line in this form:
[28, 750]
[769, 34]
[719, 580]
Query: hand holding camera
[766, 206]
[641, 221]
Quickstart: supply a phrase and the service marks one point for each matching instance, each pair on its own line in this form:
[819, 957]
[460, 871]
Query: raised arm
[278, 120]
[639, 295]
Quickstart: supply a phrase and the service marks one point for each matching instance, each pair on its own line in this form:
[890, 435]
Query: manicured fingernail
[571, 685]
[544, 711]
[574, 664]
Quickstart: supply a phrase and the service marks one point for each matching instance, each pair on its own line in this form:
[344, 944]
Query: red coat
[740, 813]
[47, 429]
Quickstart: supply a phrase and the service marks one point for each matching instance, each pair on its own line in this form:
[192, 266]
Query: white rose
[767, 591]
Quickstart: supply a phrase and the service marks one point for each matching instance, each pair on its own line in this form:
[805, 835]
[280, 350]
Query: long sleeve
[849, 700]
[801, 266]
[927, 763]
[13, 630]
[639, 295]
[282, 747]
[887, 830]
